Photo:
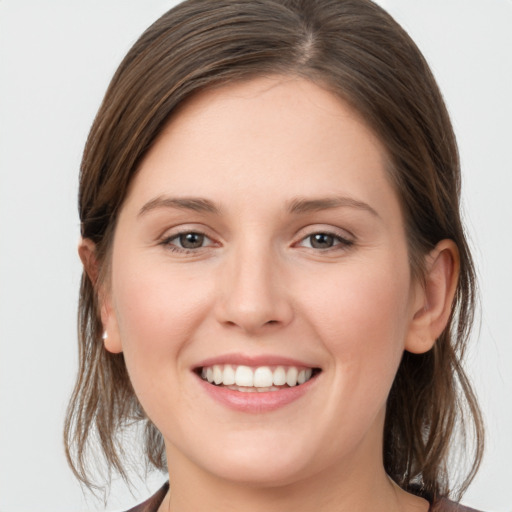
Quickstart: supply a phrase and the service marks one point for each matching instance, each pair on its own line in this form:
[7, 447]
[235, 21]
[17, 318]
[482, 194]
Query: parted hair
[358, 52]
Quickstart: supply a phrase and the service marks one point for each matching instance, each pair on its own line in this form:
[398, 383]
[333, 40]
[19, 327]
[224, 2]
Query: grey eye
[191, 240]
[321, 240]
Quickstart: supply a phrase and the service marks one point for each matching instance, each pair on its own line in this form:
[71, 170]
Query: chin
[253, 463]
[261, 473]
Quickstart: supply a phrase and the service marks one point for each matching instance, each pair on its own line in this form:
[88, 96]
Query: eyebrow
[196, 204]
[295, 206]
[303, 205]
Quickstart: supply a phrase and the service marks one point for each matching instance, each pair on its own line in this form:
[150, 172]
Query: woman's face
[262, 243]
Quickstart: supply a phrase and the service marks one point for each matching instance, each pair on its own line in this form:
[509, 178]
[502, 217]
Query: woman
[277, 282]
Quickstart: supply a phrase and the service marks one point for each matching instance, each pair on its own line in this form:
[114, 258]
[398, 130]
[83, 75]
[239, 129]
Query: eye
[190, 240]
[187, 241]
[325, 240]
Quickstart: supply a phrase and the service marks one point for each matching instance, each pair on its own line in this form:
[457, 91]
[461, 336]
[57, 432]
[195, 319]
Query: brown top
[152, 504]
[445, 505]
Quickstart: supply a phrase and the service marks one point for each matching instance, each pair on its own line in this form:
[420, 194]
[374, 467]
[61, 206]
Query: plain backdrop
[56, 59]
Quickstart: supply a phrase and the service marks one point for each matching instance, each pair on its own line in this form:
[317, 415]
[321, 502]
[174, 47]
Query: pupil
[322, 241]
[191, 240]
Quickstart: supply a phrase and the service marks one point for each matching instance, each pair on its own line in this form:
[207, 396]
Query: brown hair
[360, 53]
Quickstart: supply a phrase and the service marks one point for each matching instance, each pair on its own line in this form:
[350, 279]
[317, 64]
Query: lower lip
[256, 402]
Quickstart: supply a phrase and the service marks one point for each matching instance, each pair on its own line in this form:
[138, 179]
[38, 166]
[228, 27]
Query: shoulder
[445, 505]
[152, 503]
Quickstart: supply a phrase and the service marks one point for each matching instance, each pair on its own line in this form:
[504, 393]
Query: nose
[253, 293]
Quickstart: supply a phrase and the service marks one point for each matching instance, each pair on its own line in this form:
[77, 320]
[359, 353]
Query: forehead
[283, 126]
[278, 101]
[272, 138]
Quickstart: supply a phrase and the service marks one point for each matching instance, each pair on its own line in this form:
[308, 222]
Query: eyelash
[342, 242]
[168, 242]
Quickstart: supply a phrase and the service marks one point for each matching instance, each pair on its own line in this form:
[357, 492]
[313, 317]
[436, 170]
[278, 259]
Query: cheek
[158, 314]
[158, 311]
[361, 314]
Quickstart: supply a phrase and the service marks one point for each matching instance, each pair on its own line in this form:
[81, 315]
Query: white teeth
[279, 376]
[263, 377]
[217, 374]
[260, 379]
[253, 389]
[229, 375]
[244, 376]
[291, 376]
[265, 390]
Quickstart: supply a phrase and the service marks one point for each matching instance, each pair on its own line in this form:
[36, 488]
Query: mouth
[260, 379]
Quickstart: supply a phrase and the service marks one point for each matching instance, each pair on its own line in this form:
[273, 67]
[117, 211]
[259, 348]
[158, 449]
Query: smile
[256, 379]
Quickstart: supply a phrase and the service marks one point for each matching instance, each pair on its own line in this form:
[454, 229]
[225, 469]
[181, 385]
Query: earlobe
[111, 339]
[112, 343]
[435, 298]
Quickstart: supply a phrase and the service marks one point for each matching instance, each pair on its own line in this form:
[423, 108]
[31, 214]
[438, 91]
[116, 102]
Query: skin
[258, 287]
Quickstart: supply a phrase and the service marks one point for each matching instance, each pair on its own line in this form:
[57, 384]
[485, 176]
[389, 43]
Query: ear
[111, 338]
[434, 297]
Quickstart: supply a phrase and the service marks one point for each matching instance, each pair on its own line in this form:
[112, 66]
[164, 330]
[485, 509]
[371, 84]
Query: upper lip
[254, 361]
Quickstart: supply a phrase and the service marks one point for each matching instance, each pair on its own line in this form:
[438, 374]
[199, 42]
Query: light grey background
[56, 59]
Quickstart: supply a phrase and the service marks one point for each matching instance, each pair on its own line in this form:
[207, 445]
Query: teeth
[218, 374]
[253, 389]
[279, 376]
[229, 375]
[291, 376]
[263, 378]
[244, 376]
